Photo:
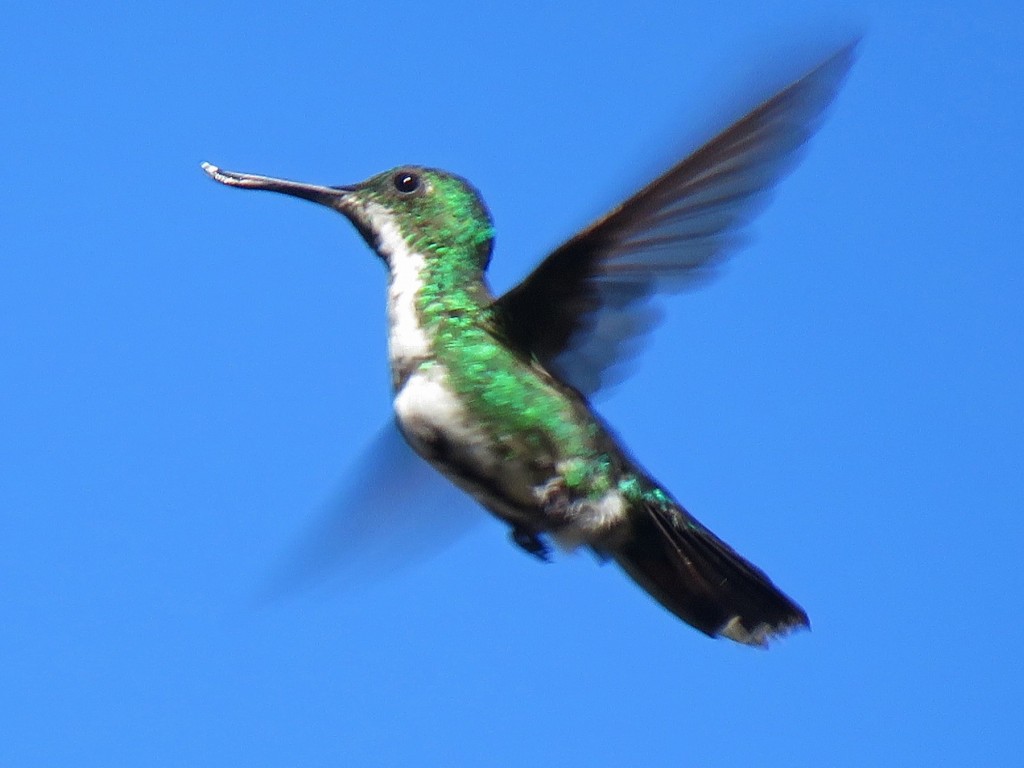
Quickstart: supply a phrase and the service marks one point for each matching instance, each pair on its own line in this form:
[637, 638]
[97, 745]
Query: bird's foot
[531, 543]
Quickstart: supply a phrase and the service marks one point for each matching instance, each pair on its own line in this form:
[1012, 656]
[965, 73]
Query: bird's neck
[433, 301]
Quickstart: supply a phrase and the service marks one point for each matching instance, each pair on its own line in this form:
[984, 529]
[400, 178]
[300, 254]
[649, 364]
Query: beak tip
[212, 171]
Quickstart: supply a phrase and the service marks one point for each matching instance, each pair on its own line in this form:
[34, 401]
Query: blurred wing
[393, 509]
[585, 307]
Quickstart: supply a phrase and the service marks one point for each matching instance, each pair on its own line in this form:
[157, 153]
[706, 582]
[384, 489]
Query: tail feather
[701, 579]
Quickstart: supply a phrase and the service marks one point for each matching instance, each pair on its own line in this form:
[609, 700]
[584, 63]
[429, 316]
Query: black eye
[406, 182]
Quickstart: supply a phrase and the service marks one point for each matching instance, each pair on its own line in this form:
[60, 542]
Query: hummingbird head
[409, 209]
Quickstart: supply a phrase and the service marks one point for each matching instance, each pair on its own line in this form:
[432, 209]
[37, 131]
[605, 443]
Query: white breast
[430, 413]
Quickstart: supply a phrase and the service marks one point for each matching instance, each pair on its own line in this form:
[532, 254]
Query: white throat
[407, 343]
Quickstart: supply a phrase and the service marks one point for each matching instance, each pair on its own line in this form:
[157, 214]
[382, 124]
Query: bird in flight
[493, 391]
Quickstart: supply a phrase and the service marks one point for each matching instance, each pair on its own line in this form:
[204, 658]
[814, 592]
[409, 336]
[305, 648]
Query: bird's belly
[440, 427]
[524, 481]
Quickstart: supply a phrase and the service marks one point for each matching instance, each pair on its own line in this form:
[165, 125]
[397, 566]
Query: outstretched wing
[393, 509]
[585, 307]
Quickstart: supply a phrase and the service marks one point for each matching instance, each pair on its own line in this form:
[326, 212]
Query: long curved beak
[332, 197]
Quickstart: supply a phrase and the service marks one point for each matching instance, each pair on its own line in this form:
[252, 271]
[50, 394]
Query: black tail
[701, 579]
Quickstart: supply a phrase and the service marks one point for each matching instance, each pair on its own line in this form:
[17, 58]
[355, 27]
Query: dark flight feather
[586, 307]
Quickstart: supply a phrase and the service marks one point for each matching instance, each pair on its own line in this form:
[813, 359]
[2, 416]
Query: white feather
[407, 343]
[428, 411]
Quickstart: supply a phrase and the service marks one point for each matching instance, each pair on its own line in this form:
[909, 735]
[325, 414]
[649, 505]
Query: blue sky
[188, 373]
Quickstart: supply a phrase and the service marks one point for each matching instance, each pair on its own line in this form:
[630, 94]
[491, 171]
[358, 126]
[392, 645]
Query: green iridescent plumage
[491, 390]
[518, 404]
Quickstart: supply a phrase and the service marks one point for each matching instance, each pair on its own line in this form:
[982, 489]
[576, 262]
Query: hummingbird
[493, 391]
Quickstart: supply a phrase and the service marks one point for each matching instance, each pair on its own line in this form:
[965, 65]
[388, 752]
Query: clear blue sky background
[186, 372]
